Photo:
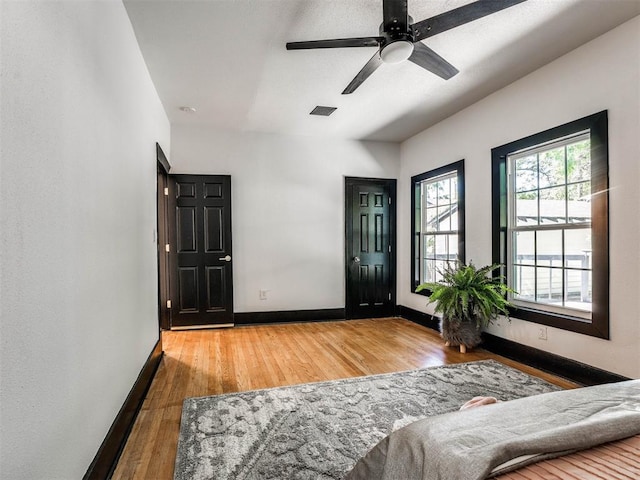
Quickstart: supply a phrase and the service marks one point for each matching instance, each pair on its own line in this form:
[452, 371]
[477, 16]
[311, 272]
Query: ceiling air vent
[323, 111]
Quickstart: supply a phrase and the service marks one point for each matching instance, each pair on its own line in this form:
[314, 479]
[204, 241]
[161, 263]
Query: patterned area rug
[319, 430]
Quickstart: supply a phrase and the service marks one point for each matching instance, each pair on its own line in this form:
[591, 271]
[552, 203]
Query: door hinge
[389, 200]
[168, 303]
[389, 295]
[167, 248]
[166, 191]
[389, 248]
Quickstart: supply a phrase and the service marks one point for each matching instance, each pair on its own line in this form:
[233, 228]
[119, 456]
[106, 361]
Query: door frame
[162, 238]
[349, 184]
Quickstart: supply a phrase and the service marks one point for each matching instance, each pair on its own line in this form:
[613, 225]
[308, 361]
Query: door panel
[213, 225]
[370, 247]
[216, 288]
[188, 287]
[186, 229]
[203, 293]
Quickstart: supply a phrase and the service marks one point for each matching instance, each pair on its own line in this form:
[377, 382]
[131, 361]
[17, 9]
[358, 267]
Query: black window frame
[457, 167]
[597, 125]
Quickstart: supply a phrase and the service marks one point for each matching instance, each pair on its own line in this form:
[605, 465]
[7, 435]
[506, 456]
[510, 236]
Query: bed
[619, 460]
[591, 432]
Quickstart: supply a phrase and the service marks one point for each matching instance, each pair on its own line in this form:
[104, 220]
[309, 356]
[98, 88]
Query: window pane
[432, 194]
[439, 267]
[579, 202]
[441, 247]
[449, 264]
[454, 189]
[444, 191]
[429, 271]
[549, 248]
[444, 218]
[524, 283]
[577, 248]
[579, 161]
[431, 222]
[524, 248]
[453, 247]
[526, 173]
[549, 285]
[424, 199]
[551, 169]
[526, 209]
[578, 289]
[553, 205]
[429, 246]
[454, 218]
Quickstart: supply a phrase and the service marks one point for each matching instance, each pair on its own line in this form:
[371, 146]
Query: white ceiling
[227, 58]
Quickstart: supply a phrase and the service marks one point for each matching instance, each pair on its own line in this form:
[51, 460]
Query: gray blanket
[470, 444]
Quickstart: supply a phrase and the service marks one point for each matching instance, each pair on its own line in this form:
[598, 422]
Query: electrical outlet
[263, 294]
[542, 333]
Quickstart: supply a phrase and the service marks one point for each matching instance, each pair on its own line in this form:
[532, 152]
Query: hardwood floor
[209, 362]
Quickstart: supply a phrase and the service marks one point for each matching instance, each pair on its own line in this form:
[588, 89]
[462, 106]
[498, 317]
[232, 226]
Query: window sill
[564, 322]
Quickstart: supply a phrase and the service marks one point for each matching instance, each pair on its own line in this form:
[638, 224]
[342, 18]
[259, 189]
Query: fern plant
[469, 294]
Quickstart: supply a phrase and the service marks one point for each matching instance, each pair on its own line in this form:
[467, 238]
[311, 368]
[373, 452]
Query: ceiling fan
[400, 39]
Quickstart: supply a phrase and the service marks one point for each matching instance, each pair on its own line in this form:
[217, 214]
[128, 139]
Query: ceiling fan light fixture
[396, 52]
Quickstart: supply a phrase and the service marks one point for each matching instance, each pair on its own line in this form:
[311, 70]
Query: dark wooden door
[370, 247]
[202, 283]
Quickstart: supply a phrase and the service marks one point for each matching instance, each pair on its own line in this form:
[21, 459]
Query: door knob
[356, 259]
[226, 259]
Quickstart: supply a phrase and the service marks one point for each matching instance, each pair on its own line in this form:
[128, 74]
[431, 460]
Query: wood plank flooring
[209, 362]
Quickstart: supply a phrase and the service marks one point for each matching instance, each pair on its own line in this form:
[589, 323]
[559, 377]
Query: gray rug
[319, 430]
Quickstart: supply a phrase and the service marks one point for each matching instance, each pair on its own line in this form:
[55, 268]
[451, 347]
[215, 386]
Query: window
[551, 226]
[437, 209]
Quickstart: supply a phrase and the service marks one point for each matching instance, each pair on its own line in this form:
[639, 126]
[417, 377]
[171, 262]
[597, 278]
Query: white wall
[80, 118]
[287, 208]
[603, 74]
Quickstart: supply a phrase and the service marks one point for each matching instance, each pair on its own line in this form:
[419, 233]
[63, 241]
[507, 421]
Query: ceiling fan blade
[394, 16]
[459, 16]
[336, 43]
[363, 74]
[426, 58]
